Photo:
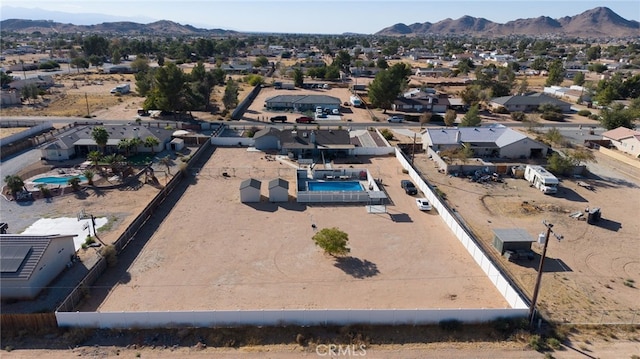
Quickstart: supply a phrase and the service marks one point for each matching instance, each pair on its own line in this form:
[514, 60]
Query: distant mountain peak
[598, 22]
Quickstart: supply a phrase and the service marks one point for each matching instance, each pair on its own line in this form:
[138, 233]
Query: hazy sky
[320, 17]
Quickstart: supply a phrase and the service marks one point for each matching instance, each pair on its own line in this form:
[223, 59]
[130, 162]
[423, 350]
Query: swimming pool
[341, 186]
[57, 180]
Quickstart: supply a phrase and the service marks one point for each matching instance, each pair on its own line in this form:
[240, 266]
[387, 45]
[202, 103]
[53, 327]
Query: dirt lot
[591, 275]
[256, 252]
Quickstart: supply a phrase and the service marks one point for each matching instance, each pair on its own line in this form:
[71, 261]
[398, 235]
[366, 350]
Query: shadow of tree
[356, 267]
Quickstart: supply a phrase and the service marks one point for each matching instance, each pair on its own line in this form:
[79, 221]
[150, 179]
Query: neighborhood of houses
[30, 263]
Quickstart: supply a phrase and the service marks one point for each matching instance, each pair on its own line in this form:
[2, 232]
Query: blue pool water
[57, 180]
[335, 186]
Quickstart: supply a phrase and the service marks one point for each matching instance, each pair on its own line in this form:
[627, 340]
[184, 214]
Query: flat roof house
[30, 262]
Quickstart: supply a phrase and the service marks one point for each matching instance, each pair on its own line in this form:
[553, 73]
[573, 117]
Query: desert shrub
[518, 116]
[252, 131]
[387, 134]
[594, 117]
[585, 113]
[450, 325]
[553, 343]
[509, 325]
[536, 343]
[109, 252]
[89, 240]
[552, 116]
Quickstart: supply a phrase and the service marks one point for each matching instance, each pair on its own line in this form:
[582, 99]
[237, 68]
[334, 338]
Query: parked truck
[541, 179]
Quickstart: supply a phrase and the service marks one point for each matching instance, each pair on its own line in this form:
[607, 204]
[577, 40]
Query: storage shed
[250, 190]
[512, 239]
[278, 190]
[176, 144]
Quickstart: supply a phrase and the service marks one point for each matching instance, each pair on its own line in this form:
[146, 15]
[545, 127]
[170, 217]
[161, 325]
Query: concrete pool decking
[213, 252]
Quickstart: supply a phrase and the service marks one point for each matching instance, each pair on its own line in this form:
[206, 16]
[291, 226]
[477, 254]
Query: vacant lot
[591, 275]
[213, 252]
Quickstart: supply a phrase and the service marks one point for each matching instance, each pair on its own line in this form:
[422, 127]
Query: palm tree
[124, 145]
[101, 136]
[44, 189]
[151, 142]
[166, 160]
[15, 184]
[89, 175]
[94, 157]
[74, 182]
[135, 143]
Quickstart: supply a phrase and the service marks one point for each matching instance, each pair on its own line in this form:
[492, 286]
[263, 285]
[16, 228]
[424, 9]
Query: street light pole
[536, 290]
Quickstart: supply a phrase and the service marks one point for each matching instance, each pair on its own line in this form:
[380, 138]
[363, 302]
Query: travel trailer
[541, 179]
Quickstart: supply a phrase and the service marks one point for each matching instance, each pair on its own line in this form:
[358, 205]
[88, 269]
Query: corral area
[213, 252]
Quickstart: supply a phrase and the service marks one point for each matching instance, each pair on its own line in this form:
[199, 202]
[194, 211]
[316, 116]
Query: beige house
[625, 140]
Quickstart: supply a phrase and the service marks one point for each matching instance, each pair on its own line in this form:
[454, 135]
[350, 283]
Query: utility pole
[87, 101]
[536, 290]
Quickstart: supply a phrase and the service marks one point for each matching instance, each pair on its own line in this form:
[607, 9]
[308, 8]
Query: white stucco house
[30, 262]
[493, 141]
[625, 140]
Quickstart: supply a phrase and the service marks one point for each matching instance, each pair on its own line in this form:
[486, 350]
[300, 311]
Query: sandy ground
[256, 252]
[586, 272]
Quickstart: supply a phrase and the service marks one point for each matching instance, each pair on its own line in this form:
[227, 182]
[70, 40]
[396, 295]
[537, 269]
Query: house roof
[621, 133]
[266, 132]
[535, 99]
[278, 182]
[251, 182]
[305, 99]
[82, 135]
[480, 136]
[513, 235]
[304, 139]
[21, 254]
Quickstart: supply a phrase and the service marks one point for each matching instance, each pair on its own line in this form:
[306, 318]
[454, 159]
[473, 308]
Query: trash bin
[594, 215]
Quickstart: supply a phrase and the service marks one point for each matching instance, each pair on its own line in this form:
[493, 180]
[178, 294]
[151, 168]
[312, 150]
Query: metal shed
[250, 190]
[511, 239]
[278, 190]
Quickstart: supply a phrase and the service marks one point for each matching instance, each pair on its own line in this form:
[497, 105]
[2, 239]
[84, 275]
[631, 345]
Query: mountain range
[597, 22]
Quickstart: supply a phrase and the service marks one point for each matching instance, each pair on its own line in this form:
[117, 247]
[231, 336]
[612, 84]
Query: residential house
[301, 103]
[78, 141]
[30, 262]
[625, 140]
[493, 141]
[305, 143]
[432, 72]
[573, 93]
[528, 102]
[421, 101]
[41, 81]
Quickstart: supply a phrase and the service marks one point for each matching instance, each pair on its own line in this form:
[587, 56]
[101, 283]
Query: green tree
[170, 91]
[618, 116]
[5, 78]
[593, 53]
[14, 183]
[80, 63]
[116, 57]
[387, 85]
[450, 118]
[581, 155]
[578, 79]
[30, 92]
[151, 142]
[342, 61]
[124, 145]
[556, 73]
[89, 174]
[135, 143]
[559, 164]
[261, 61]
[95, 45]
[298, 78]
[598, 68]
[74, 182]
[95, 60]
[471, 118]
[230, 97]
[94, 157]
[425, 118]
[333, 241]
[381, 63]
[554, 136]
[523, 87]
[101, 136]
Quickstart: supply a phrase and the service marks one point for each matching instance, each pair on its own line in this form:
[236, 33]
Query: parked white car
[423, 204]
[396, 119]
